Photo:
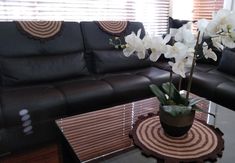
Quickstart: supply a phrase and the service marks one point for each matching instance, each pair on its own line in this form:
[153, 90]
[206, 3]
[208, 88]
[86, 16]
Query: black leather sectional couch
[216, 82]
[212, 80]
[74, 72]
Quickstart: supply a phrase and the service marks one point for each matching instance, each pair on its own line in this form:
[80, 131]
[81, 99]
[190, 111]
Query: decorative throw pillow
[227, 64]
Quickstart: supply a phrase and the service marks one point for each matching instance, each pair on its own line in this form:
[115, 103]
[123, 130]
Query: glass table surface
[103, 135]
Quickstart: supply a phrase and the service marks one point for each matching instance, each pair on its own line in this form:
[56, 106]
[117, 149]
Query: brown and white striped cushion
[41, 29]
[113, 27]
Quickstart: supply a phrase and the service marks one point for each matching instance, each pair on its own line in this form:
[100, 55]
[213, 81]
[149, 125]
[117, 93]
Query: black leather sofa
[212, 80]
[74, 72]
[216, 81]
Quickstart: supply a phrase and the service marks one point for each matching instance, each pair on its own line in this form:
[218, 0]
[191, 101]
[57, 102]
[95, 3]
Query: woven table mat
[40, 29]
[203, 142]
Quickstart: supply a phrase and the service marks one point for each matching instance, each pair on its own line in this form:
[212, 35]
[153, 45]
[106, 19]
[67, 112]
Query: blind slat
[203, 9]
[151, 12]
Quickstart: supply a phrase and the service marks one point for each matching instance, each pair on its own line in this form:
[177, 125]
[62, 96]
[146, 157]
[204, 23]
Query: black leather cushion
[101, 55]
[22, 70]
[162, 65]
[204, 84]
[176, 23]
[127, 86]
[227, 62]
[156, 75]
[41, 102]
[14, 43]
[1, 119]
[225, 94]
[204, 67]
[97, 39]
[114, 60]
[222, 74]
[84, 95]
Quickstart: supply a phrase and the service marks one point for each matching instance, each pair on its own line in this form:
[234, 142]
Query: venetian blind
[153, 13]
[206, 8]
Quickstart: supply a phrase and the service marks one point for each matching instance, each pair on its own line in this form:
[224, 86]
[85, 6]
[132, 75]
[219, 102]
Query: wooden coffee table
[103, 135]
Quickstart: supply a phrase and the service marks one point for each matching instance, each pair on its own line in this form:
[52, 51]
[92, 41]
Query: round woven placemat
[40, 29]
[202, 142]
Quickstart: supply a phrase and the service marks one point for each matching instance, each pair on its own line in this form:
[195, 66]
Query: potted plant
[177, 110]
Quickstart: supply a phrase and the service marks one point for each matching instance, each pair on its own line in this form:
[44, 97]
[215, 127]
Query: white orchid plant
[183, 54]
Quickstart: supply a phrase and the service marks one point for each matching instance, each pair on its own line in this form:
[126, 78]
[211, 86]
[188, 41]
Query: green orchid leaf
[158, 93]
[172, 92]
[194, 101]
[177, 110]
[196, 108]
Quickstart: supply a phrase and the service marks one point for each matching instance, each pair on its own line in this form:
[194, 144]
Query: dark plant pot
[176, 126]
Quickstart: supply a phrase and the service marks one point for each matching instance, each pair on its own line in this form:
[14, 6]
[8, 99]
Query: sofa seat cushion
[114, 60]
[22, 70]
[127, 86]
[33, 104]
[84, 95]
[156, 75]
[162, 65]
[222, 74]
[204, 84]
[225, 94]
[204, 67]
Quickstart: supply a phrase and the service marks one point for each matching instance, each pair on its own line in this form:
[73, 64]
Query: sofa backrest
[24, 59]
[102, 56]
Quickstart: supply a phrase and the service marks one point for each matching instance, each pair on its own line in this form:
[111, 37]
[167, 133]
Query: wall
[229, 4]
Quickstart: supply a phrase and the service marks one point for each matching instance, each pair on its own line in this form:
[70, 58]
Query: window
[153, 13]
[206, 8]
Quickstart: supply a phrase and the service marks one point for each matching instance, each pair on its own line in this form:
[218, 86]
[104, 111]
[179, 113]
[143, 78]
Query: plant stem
[192, 68]
[171, 73]
[180, 83]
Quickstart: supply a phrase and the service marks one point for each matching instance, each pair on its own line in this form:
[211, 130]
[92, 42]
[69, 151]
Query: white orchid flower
[202, 25]
[178, 50]
[217, 42]
[218, 23]
[184, 34]
[228, 42]
[134, 43]
[183, 56]
[157, 46]
[208, 53]
[179, 67]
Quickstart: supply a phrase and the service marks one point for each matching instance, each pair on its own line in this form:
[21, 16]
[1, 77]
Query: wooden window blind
[153, 13]
[204, 9]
